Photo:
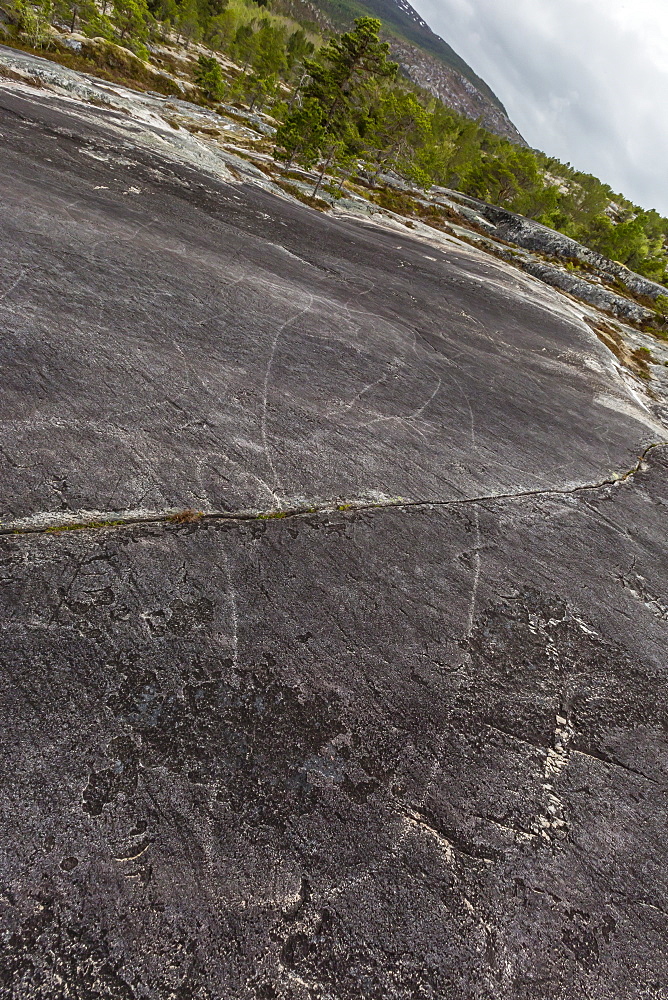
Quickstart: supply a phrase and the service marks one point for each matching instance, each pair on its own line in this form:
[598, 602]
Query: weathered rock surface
[206, 139]
[402, 751]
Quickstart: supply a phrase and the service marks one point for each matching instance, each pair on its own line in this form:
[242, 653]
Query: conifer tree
[298, 49]
[131, 19]
[345, 68]
[398, 128]
[302, 134]
[187, 21]
[338, 85]
[209, 78]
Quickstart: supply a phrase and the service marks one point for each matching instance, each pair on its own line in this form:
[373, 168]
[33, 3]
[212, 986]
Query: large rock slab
[402, 751]
[409, 752]
[175, 342]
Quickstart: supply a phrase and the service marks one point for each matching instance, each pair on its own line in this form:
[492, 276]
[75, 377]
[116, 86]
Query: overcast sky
[584, 80]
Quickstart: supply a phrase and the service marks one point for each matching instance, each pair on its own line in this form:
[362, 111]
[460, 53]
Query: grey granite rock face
[173, 343]
[403, 751]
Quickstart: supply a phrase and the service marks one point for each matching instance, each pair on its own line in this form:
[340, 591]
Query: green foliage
[397, 129]
[298, 49]
[630, 242]
[32, 21]
[268, 54]
[220, 30]
[336, 96]
[302, 135]
[98, 25]
[209, 77]
[243, 46]
[163, 10]
[84, 16]
[210, 8]
[187, 21]
[345, 70]
[661, 305]
[255, 89]
[131, 18]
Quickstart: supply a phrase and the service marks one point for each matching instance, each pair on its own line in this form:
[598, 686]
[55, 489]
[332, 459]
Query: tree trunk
[296, 92]
[322, 174]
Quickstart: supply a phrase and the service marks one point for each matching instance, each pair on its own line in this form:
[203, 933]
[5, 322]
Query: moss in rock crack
[57, 528]
[356, 506]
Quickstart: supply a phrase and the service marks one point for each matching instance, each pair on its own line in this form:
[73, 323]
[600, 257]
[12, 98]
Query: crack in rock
[39, 523]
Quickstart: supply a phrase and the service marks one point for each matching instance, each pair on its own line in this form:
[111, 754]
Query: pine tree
[302, 134]
[338, 85]
[345, 68]
[32, 20]
[187, 21]
[243, 47]
[298, 49]
[268, 55]
[399, 126]
[131, 19]
[220, 30]
[209, 77]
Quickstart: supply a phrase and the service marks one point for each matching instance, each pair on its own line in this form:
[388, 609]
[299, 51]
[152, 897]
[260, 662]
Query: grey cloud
[584, 80]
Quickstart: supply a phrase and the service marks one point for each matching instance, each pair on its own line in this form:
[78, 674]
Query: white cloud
[584, 80]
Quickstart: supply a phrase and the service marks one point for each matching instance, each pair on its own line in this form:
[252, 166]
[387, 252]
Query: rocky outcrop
[558, 260]
[534, 236]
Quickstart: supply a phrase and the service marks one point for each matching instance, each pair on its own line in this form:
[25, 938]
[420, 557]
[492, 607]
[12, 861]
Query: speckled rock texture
[389, 720]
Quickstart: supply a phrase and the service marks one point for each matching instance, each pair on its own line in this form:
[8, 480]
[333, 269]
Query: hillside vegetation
[341, 103]
[401, 20]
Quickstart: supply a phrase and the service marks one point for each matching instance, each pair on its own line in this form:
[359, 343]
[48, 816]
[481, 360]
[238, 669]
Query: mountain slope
[428, 60]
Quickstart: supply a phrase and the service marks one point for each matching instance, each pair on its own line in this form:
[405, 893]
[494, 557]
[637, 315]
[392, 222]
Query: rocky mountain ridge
[454, 89]
[429, 61]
